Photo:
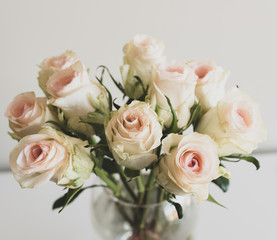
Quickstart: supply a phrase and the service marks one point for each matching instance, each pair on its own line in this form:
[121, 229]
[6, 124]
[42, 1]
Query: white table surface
[251, 214]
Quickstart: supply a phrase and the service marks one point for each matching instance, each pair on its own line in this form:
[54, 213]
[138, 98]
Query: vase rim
[135, 205]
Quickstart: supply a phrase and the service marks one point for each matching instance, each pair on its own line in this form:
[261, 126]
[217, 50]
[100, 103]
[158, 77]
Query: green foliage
[70, 196]
[211, 199]
[177, 206]
[118, 84]
[194, 115]
[109, 165]
[223, 183]
[173, 127]
[240, 157]
[145, 90]
[67, 198]
[130, 173]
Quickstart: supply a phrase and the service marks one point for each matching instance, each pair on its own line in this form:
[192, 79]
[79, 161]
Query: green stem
[150, 184]
[125, 183]
[102, 174]
[160, 198]
[140, 185]
[141, 189]
[161, 193]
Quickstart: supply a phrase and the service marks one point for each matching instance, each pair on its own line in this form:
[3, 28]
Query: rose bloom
[177, 81]
[27, 114]
[235, 123]
[53, 64]
[211, 81]
[133, 134]
[140, 54]
[50, 155]
[60, 62]
[190, 163]
[72, 91]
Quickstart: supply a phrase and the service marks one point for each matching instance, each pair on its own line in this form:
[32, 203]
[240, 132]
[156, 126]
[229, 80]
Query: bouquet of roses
[174, 132]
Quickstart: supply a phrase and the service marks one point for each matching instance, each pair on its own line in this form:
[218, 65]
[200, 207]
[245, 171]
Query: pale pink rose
[27, 114]
[67, 81]
[73, 91]
[50, 155]
[53, 64]
[211, 81]
[177, 81]
[133, 134]
[235, 123]
[60, 62]
[190, 163]
[37, 159]
[141, 54]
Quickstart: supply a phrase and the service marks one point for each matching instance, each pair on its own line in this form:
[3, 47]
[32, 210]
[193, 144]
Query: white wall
[239, 34]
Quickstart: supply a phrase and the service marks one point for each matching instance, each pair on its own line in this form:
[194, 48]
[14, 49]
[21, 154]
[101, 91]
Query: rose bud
[141, 53]
[175, 80]
[72, 91]
[53, 64]
[211, 81]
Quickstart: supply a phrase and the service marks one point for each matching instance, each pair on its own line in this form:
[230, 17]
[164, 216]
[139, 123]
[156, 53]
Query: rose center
[191, 162]
[132, 122]
[245, 116]
[131, 118]
[21, 108]
[202, 71]
[65, 80]
[36, 151]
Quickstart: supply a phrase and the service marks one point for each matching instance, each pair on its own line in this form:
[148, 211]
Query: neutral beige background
[239, 34]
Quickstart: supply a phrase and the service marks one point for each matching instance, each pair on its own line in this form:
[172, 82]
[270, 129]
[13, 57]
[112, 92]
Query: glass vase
[114, 219]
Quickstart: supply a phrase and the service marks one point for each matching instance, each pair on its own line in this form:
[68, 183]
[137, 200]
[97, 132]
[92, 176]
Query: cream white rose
[141, 53]
[73, 92]
[235, 123]
[27, 114]
[133, 134]
[53, 64]
[177, 81]
[211, 82]
[50, 156]
[190, 163]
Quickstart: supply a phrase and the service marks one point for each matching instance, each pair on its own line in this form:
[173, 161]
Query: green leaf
[211, 199]
[131, 173]
[118, 84]
[69, 197]
[110, 98]
[195, 114]
[240, 157]
[223, 183]
[140, 82]
[61, 116]
[115, 105]
[173, 127]
[178, 208]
